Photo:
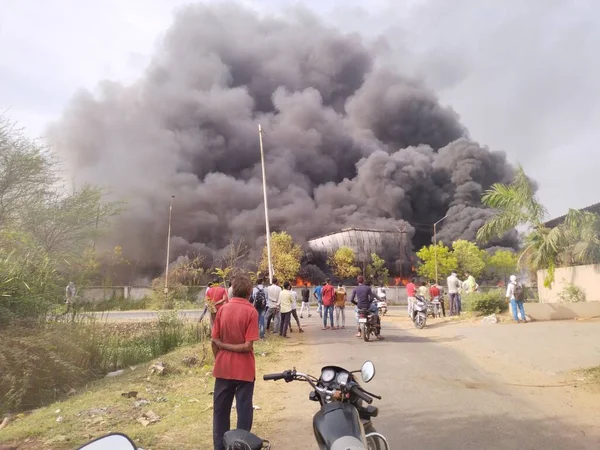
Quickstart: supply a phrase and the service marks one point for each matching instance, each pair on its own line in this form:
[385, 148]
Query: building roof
[558, 220]
[343, 230]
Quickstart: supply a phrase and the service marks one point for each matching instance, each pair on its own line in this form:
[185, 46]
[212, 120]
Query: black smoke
[348, 142]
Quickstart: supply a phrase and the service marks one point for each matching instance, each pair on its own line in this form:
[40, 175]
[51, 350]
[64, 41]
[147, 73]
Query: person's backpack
[519, 292]
[260, 299]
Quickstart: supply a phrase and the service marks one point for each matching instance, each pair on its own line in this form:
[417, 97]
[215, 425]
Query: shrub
[572, 293]
[490, 302]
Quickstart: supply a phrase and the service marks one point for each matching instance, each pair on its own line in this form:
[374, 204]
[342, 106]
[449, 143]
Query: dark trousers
[285, 323]
[224, 392]
[454, 304]
[295, 316]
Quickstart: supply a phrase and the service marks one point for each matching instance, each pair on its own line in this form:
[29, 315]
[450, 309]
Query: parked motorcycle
[434, 309]
[368, 323]
[382, 307]
[419, 312]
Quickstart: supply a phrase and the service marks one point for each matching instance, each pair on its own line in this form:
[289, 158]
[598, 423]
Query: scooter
[382, 307]
[419, 312]
[435, 308]
[343, 421]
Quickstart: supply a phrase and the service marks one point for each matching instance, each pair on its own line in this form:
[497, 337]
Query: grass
[181, 398]
[43, 361]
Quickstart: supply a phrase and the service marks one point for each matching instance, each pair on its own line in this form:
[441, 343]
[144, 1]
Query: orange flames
[400, 281]
[300, 281]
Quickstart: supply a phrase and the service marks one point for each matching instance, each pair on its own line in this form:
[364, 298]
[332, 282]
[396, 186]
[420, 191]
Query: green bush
[490, 302]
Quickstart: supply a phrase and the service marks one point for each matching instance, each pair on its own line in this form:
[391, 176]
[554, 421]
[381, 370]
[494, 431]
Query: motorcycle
[419, 312]
[368, 323]
[344, 420]
[434, 308]
[382, 307]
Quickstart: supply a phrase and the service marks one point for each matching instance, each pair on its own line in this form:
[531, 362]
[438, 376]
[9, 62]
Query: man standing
[436, 294]
[470, 285]
[229, 289]
[363, 298]
[515, 293]
[318, 295]
[340, 305]
[70, 293]
[216, 297]
[285, 305]
[454, 285]
[259, 299]
[305, 301]
[411, 290]
[234, 331]
[294, 311]
[273, 292]
[328, 298]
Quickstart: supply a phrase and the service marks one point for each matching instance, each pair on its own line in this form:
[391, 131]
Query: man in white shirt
[515, 296]
[294, 312]
[454, 284]
[273, 310]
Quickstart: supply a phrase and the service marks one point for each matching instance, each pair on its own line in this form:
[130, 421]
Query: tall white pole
[168, 247]
[264, 179]
[435, 248]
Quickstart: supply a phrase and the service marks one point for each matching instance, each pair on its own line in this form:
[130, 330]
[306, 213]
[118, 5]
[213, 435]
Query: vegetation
[572, 293]
[446, 261]
[469, 258]
[575, 241]
[490, 302]
[343, 263]
[377, 269]
[285, 257]
[501, 264]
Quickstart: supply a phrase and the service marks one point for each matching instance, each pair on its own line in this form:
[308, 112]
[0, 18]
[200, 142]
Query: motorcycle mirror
[113, 441]
[367, 372]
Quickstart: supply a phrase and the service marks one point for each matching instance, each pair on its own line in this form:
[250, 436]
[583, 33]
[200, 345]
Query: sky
[523, 76]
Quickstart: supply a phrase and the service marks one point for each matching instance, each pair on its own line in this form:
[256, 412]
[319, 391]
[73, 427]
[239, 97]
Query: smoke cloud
[348, 142]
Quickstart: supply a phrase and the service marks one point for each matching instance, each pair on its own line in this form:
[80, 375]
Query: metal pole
[435, 247]
[264, 180]
[168, 247]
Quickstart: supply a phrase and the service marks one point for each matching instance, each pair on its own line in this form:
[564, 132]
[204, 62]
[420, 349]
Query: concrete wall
[100, 294]
[587, 278]
[562, 311]
[395, 295]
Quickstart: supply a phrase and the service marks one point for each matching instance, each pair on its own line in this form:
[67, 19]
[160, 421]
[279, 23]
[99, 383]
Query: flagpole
[264, 180]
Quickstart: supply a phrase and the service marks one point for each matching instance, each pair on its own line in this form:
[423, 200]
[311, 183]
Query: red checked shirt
[328, 293]
[236, 323]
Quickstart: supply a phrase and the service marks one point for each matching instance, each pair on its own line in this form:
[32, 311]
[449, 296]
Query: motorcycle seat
[242, 440]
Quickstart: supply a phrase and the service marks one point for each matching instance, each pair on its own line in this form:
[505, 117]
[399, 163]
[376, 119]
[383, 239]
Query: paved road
[440, 393]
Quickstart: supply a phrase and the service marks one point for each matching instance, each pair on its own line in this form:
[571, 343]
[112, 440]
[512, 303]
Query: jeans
[454, 303]
[224, 392]
[272, 313]
[320, 307]
[261, 323]
[340, 311]
[285, 323]
[327, 311]
[295, 316]
[515, 304]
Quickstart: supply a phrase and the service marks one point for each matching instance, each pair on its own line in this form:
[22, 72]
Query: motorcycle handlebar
[276, 376]
[360, 394]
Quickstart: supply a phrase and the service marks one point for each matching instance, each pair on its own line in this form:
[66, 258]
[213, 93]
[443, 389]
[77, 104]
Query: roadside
[181, 399]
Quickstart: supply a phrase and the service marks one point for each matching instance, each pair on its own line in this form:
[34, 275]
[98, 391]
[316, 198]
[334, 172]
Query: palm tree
[581, 231]
[516, 205]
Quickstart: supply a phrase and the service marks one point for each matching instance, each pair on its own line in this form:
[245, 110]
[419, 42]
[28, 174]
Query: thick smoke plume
[348, 142]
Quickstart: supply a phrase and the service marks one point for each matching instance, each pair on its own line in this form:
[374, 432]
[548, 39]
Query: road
[443, 390]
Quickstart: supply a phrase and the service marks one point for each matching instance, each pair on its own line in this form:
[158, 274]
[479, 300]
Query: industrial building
[393, 246]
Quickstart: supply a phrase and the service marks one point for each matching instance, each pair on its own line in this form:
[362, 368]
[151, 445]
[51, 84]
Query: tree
[446, 261]
[516, 204]
[377, 268]
[502, 264]
[285, 256]
[581, 238]
[343, 263]
[469, 257]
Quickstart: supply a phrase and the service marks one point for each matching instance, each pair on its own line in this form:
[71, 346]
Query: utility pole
[435, 247]
[168, 247]
[264, 180]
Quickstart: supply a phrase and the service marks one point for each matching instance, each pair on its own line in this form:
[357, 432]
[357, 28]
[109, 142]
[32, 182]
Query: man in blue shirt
[364, 298]
[319, 296]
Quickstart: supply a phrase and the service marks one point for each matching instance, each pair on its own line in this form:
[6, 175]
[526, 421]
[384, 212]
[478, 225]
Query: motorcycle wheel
[365, 332]
[373, 442]
[420, 321]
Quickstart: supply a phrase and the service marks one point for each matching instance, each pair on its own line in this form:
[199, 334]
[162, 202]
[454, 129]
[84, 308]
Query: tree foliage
[446, 261]
[343, 263]
[377, 269]
[502, 264]
[285, 257]
[469, 258]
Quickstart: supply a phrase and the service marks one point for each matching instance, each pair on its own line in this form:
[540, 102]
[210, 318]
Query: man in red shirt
[216, 296]
[411, 290]
[234, 331]
[328, 296]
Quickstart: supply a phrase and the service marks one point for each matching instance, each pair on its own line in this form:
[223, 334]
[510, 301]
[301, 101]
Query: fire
[399, 281]
[300, 281]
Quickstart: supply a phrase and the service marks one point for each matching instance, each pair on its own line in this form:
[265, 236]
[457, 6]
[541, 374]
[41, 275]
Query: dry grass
[186, 414]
